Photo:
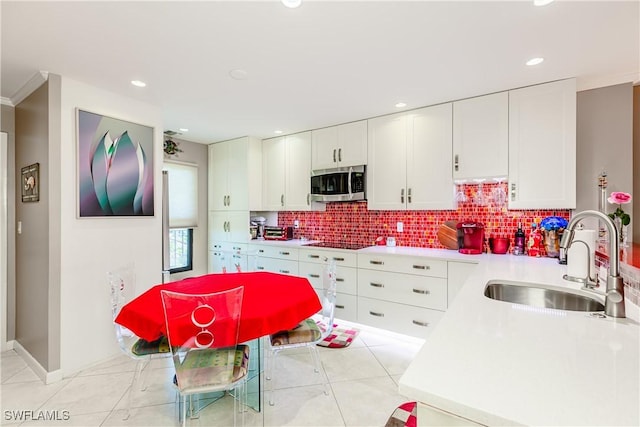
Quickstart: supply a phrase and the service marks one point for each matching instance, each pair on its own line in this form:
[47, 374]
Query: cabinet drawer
[404, 319]
[275, 265]
[346, 277]
[348, 259]
[276, 252]
[403, 264]
[346, 307]
[421, 291]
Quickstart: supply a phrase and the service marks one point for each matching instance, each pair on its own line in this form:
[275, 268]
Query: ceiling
[325, 63]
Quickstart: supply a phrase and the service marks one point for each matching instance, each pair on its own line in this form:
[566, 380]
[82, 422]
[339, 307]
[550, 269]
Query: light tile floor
[363, 382]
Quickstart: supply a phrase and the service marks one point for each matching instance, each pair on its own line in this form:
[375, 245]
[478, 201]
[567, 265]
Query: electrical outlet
[296, 224]
[400, 227]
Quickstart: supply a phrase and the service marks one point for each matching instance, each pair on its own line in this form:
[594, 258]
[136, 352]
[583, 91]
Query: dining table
[271, 302]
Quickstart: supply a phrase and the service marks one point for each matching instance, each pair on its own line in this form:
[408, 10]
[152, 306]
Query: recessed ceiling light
[184, 130]
[400, 105]
[292, 4]
[541, 2]
[535, 61]
[138, 83]
[277, 132]
[238, 74]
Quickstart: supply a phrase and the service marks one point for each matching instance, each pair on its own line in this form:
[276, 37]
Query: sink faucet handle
[614, 296]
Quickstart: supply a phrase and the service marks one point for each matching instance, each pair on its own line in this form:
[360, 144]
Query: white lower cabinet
[405, 294]
[396, 317]
[229, 257]
[276, 259]
[428, 416]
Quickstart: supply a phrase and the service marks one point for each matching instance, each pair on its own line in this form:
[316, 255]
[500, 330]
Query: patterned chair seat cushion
[405, 415]
[212, 363]
[145, 348]
[305, 332]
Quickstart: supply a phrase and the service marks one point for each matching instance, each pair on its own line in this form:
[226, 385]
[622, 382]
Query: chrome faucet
[614, 293]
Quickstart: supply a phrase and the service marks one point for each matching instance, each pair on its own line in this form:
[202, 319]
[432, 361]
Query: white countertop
[498, 363]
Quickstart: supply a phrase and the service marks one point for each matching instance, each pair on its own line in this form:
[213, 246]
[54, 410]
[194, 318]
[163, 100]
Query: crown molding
[34, 83]
[6, 101]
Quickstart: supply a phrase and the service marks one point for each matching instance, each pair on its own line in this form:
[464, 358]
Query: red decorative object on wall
[352, 222]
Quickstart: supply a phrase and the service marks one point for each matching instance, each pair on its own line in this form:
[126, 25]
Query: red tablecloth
[272, 302]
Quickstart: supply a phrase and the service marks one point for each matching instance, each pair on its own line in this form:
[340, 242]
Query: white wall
[91, 247]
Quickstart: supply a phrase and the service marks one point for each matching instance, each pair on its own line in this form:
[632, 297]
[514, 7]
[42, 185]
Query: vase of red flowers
[620, 218]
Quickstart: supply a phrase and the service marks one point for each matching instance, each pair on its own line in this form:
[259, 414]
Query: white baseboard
[43, 374]
[6, 345]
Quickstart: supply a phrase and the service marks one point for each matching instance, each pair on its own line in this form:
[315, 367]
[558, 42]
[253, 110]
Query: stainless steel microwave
[343, 184]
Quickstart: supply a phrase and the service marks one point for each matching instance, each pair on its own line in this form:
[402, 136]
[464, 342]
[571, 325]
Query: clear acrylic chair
[309, 332]
[203, 336]
[122, 286]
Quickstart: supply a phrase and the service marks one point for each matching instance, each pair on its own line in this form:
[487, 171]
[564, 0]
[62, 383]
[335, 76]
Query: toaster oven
[278, 233]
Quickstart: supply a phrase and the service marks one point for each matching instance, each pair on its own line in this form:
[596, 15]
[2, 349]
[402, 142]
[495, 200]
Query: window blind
[183, 194]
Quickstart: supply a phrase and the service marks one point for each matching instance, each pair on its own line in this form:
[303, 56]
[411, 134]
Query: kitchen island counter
[498, 363]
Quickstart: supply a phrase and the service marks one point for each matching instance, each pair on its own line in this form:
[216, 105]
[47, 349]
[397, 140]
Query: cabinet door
[481, 137]
[298, 172]
[386, 165]
[429, 145]
[457, 273]
[324, 148]
[238, 173]
[542, 146]
[273, 173]
[352, 144]
[217, 172]
[217, 226]
[238, 226]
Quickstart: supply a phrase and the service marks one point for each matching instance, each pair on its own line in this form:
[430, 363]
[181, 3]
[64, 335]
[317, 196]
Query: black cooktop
[338, 245]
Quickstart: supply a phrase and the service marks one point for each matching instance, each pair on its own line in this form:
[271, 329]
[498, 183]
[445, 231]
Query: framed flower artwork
[115, 167]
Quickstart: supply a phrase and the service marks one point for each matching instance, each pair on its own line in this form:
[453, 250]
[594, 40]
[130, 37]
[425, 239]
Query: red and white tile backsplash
[354, 223]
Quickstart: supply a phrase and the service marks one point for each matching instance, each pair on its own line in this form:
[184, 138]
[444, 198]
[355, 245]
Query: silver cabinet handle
[513, 191]
[419, 323]
[315, 276]
[284, 253]
[282, 200]
[409, 195]
[373, 313]
[334, 155]
[339, 154]
[261, 251]
[284, 271]
[340, 306]
[259, 268]
[339, 279]
[308, 199]
[421, 291]
[314, 256]
[376, 285]
[456, 163]
[229, 200]
[376, 262]
[402, 195]
[338, 258]
[421, 267]
[237, 248]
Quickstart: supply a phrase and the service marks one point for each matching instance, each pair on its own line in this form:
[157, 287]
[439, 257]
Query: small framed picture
[31, 183]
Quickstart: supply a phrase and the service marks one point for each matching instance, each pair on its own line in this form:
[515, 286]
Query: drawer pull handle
[376, 262]
[419, 323]
[314, 256]
[340, 306]
[421, 267]
[421, 291]
[284, 253]
[373, 313]
[261, 251]
[315, 276]
[284, 271]
[338, 258]
[376, 285]
[339, 279]
[259, 268]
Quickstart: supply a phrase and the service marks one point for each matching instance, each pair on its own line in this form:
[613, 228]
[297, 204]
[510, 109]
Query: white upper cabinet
[387, 162]
[234, 170]
[429, 138]
[542, 146]
[287, 172]
[481, 137]
[410, 159]
[339, 146]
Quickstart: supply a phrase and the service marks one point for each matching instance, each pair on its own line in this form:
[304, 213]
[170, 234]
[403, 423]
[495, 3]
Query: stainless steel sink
[542, 296]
